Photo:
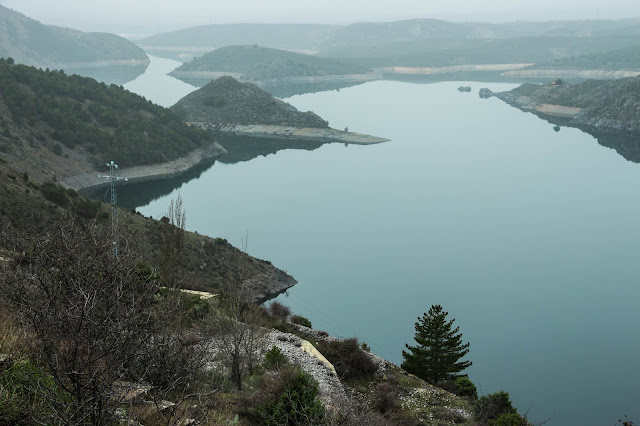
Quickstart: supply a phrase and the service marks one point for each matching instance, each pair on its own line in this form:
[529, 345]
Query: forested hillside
[257, 63]
[61, 112]
[228, 101]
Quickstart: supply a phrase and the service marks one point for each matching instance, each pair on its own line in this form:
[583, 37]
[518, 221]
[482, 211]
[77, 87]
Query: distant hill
[185, 44]
[46, 46]
[613, 60]
[54, 123]
[258, 63]
[228, 101]
[416, 43]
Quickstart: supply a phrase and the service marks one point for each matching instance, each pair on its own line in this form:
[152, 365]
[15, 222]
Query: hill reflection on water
[240, 149]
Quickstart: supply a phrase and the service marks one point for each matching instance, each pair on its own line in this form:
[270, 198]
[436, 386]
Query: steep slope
[185, 44]
[52, 123]
[29, 207]
[29, 42]
[228, 101]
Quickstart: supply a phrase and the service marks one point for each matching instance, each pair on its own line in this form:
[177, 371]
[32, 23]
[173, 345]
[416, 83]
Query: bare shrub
[92, 319]
[172, 242]
[279, 310]
[385, 399]
[348, 359]
[238, 324]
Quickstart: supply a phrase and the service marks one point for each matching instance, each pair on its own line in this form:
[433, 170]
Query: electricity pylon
[114, 208]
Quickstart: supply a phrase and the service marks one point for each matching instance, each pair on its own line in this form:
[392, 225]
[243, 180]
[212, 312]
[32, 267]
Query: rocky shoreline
[594, 117]
[87, 182]
[570, 74]
[572, 117]
[311, 134]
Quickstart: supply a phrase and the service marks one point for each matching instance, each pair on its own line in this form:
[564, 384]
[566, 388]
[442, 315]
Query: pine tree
[439, 348]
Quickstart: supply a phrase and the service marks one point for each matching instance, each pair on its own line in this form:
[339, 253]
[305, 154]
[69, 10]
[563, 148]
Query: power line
[113, 167]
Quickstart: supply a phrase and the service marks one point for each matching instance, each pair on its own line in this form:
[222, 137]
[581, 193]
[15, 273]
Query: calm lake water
[527, 237]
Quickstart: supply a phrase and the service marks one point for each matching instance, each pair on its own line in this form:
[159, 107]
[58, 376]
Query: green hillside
[73, 115]
[258, 63]
[228, 101]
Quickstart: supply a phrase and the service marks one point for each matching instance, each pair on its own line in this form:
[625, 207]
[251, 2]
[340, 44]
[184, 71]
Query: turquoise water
[526, 236]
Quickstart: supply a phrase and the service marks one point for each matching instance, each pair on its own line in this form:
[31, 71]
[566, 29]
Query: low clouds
[150, 16]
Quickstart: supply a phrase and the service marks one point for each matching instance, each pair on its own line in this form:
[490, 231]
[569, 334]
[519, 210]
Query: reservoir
[528, 237]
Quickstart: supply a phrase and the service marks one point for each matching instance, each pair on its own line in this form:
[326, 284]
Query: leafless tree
[173, 225]
[96, 325]
[238, 325]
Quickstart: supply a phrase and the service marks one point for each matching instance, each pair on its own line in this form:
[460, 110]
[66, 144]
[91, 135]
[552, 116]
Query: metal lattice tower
[113, 167]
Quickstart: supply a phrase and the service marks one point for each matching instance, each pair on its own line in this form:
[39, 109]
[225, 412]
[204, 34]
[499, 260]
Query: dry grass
[11, 333]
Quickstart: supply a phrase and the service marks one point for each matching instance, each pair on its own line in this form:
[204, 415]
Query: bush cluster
[292, 400]
[300, 320]
[69, 199]
[348, 359]
[274, 359]
[496, 410]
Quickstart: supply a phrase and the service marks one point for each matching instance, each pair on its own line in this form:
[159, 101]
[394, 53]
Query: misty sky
[151, 16]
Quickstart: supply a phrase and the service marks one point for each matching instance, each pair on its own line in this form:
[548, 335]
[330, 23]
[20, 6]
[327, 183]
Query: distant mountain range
[107, 57]
[411, 43]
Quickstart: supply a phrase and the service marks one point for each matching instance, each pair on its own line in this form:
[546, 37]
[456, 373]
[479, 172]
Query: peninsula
[228, 106]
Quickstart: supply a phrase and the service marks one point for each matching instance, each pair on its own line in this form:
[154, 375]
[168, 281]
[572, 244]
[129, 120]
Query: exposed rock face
[269, 284]
[228, 101]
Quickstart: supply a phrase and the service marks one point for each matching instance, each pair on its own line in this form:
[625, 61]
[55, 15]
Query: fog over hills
[107, 57]
[417, 42]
